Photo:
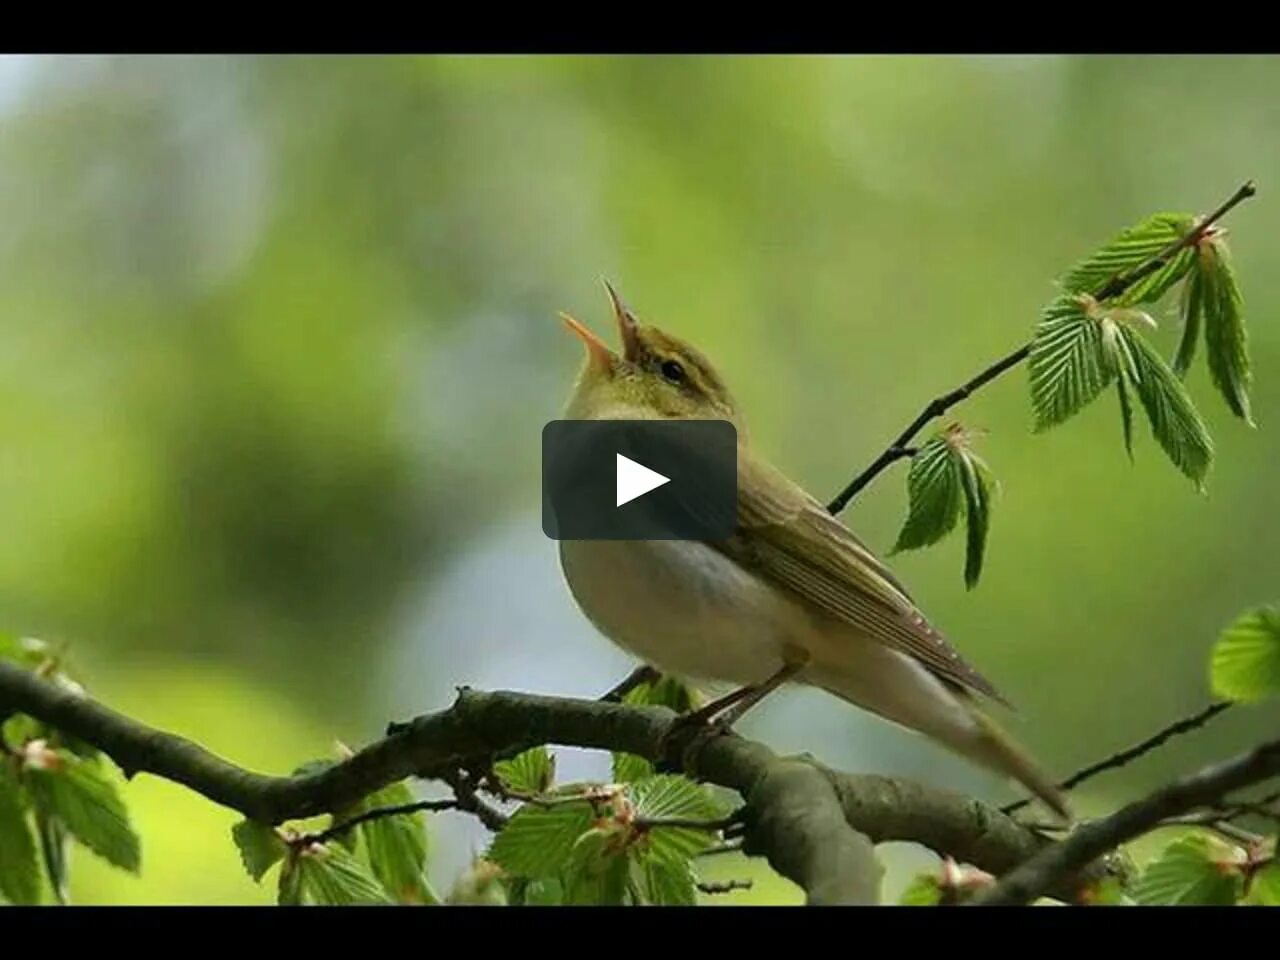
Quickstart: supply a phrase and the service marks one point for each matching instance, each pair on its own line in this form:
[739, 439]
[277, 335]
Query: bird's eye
[672, 371]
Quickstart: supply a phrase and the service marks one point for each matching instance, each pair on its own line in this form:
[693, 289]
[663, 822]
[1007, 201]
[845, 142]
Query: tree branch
[1045, 870]
[815, 826]
[1124, 757]
[900, 448]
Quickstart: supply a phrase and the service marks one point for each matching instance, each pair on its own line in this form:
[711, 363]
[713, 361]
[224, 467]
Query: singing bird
[792, 596]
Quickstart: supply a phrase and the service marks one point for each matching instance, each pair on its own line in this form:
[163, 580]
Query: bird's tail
[997, 750]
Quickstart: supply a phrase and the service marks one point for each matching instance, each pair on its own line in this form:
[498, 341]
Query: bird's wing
[788, 537]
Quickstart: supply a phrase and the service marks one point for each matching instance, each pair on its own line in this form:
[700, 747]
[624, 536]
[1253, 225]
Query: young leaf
[666, 691]
[1226, 341]
[1246, 659]
[663, 883]
[597, 874]
[1174, 421]
[19, 872]
[1066, 365]
[1129, 251]
[53, 851]
[1126, 413]
[935, 495]
[1192, 871]
[78, 794]
[1264, 888]
[1192, 310]
[923, 891]
[533, 771]
[331, 876]
[628, 768]
[671, 796]
[260, 846]
[976, 477]
[397, 847]
[538, 841]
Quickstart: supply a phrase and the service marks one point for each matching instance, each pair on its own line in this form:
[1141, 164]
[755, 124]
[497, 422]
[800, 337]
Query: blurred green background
[279, 339]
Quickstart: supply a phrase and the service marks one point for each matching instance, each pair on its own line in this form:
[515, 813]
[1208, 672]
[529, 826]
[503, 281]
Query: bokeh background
[279, 338]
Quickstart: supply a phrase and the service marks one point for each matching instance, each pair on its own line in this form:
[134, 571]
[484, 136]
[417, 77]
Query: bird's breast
[682, 607]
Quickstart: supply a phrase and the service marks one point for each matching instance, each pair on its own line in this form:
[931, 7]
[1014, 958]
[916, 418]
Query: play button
[639, 479]
[635, 480]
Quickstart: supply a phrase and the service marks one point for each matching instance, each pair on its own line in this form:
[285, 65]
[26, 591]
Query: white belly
[682, 607]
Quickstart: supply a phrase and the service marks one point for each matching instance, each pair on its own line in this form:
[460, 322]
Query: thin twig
[1213, 821]
[724, 886]
[732, 846]
[1117, 760]
[900, 448]
[467, 799]
[1053, 865]
[378, 813]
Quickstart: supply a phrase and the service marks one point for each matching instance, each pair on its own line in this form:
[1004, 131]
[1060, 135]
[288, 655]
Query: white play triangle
[635, 480]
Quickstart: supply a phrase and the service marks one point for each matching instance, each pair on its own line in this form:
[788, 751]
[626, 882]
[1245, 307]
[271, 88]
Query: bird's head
[656, 377]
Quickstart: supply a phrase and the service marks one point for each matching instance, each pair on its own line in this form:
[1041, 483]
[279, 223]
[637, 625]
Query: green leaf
[977, 481]
[663, 883]
[934, 490]
[53, 851]
[1174, 421]
[289, 893]
[1126, 413]
[1245, 664]
[666, 691]
[1192, 311]
[1226, 340]
[533, 771]
[1065, 363]
[628, 768]
[597, 876]
[669, 796]
[329, 875]
[260, 846]
[923, 891]
[397, 847]
[1129, 251]
[1264, 888]
[1192, 871]
[78, 793]
[19, 871]
[538, 841]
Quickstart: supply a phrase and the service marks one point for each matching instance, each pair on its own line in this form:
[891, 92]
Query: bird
[792, 596]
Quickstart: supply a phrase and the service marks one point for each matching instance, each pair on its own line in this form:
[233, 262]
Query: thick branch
[814, 825]
[900, 448]
[1039, 874]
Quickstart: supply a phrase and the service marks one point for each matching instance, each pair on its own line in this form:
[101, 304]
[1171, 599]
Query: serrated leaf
[329, 875]
[81, 797]
[628, 768]
[1192, 871]
[1175, 423]
[935, 496]
[538, 841]
[19, 870]
[976, 478]
[1126, 413]
[533, 771]
[1192, 313]
[1245, 664]
[289, 891]
[259, 845]
[53, 852]
[666, 691]
[1129, 251]
[1065, 363]
[597, 875]
[1264, 888]
[664, 884]
[923, 891]
[397, 847]
[669, 796]
[1226, 341]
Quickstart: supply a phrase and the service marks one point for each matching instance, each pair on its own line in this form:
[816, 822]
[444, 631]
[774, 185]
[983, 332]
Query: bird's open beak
[598, 351]
[628, 326]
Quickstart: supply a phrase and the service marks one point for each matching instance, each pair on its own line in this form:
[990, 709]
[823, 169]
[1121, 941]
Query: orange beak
[628, 326]
[598, 351]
